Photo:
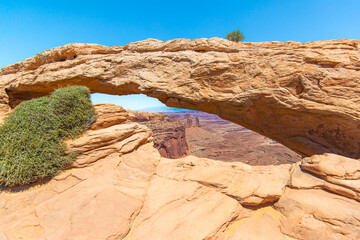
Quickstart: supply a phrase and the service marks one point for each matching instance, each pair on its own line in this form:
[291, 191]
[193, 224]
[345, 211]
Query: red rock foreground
[302, 95]
[120, 188]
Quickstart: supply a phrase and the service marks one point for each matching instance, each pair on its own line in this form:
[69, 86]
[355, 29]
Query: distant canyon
[182, 133]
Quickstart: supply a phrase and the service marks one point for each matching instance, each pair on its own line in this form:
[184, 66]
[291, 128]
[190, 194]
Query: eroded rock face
[188, 121]
[303, 95]
[249, 185]
[110, 114]
[316, 214]
[93, 199]
[169, 138]
[168, 133]
[121, 188]
[197, 122]
[337, 173]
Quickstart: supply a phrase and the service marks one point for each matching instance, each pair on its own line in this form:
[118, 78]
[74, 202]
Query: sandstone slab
[332, 165]
[96, 201]
[304, 180]
[340, 174]
[110, 114]
[119, 139]
[119, 187]
[316, 214]
[263, 223]
[180, 210]
[250, 185]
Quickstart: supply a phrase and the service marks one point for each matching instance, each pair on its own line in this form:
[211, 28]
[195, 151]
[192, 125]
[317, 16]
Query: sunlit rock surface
[303, 95]
[121, 188]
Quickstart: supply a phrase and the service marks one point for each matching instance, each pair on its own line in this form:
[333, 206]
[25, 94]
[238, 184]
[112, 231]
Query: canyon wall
[168, 133]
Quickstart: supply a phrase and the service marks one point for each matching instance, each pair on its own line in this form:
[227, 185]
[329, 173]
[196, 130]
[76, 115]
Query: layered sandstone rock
[334, 173]
[169, 138]
[121, 188]
[148, 116]
[303, 95]
[110, 114]
[188, 121]
[317, 214]
[168, 132]
[83, 202]
[197, 122]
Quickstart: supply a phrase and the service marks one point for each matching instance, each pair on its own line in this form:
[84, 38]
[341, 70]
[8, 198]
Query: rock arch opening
[303, 95]
[289, 92]
[181, 132]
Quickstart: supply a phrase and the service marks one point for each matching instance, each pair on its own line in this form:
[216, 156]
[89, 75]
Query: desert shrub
[31, 139]
[235, 36]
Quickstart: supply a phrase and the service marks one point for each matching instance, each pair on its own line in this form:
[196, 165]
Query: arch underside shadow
[273, 115]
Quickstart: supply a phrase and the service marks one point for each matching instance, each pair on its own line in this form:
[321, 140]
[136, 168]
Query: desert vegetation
[235, 36]
[31, 139]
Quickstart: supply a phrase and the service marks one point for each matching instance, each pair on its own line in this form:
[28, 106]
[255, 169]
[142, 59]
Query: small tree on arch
[235, 36]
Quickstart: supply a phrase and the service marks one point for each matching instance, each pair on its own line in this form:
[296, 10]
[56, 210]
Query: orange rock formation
[121, 188]
[303, 95]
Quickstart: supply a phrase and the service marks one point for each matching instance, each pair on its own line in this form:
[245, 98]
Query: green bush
[235, 36]
[31, 139]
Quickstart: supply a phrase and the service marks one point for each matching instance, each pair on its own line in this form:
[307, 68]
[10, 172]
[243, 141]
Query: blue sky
[29, 27]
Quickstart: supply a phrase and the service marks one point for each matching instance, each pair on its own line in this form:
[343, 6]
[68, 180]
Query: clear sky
[133, 102]
[29, 27]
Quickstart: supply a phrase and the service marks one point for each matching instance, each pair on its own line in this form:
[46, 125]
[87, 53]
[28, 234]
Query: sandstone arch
[305, 96]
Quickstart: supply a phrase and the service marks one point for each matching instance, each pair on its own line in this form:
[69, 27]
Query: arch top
[303, 95]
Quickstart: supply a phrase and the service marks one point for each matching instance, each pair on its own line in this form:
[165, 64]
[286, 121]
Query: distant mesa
[197, 122]
[164, 109]
[188, 120]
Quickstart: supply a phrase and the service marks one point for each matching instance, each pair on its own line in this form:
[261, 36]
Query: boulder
[110, 114]
[169, 136]
[334, 173]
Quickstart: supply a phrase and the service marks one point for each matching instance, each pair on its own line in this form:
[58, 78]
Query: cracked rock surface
[121, 188]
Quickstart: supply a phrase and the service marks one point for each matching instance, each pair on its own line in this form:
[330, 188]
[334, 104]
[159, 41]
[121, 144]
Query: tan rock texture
[303, 95]
[316, 214]
[110, 114]
[119, 187]
[83, 202]
[169, 139]
[249, 185]
[340, 174]
[168, 133]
